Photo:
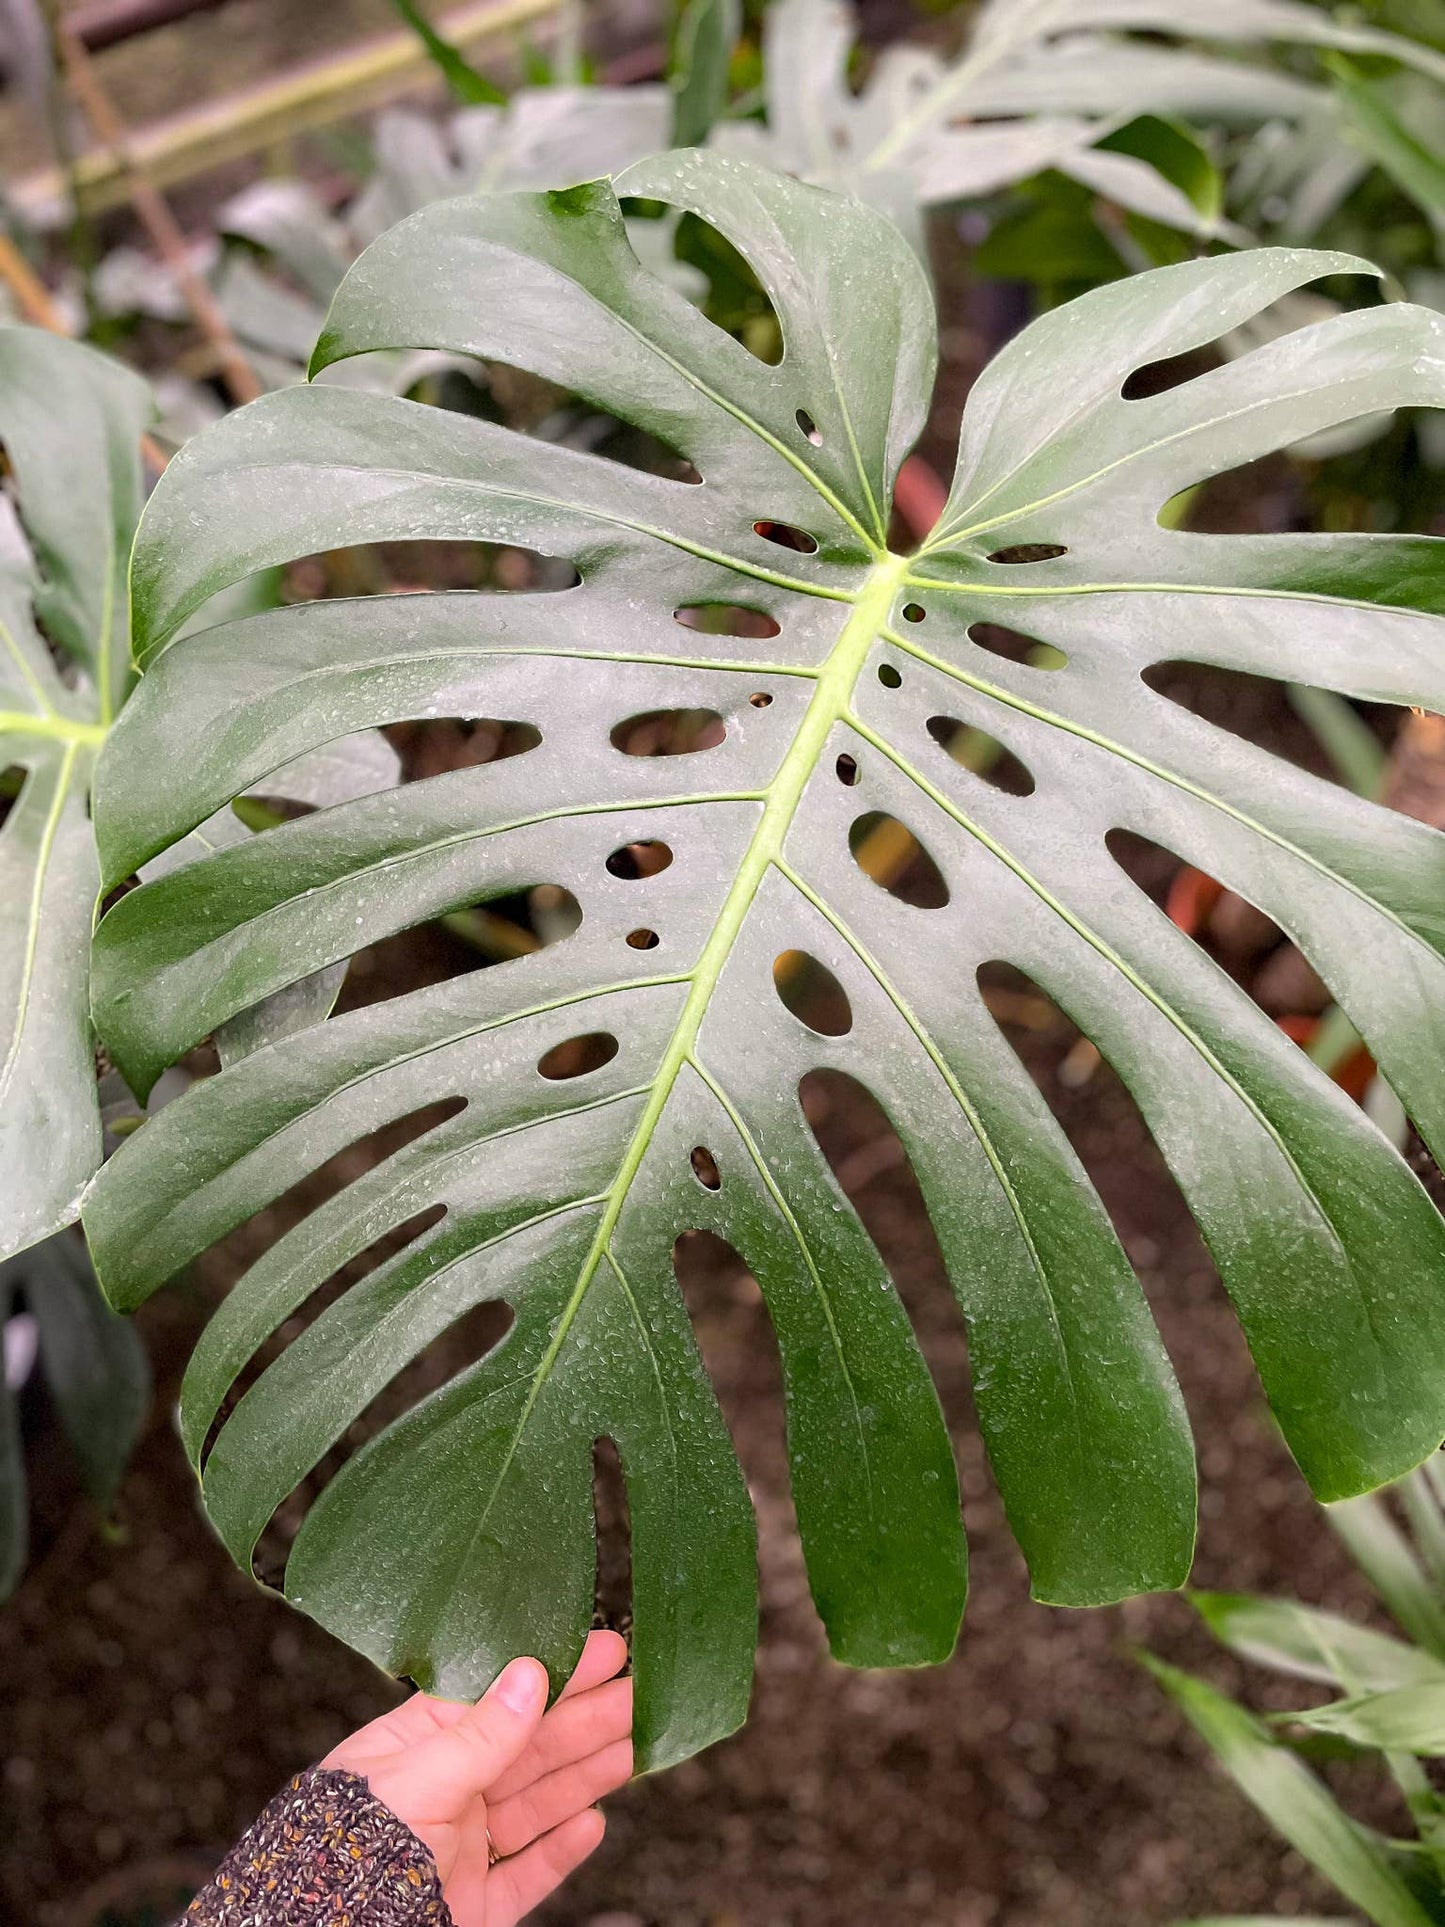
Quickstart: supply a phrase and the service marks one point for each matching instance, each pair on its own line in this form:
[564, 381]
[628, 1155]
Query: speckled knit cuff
[324, 1851]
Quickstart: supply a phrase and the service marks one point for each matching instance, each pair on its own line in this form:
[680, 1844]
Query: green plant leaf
[1352, 1857]
[70, 426]
[1389, 1562]
[702, 47]
[1044, 85]
[1313, 1644]
[95, 1369]
[463, 1532]
[1377, 116]
[469, 86]
[1408, 1719]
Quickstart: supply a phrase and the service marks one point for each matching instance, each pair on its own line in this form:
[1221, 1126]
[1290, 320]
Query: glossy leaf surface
[70, 426]
[464, 1531]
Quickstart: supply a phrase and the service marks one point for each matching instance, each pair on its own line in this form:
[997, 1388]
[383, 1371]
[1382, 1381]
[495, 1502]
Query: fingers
[516, 1886]
[573, 1729]
[443, 1773]
[515, 1823]
[603, 1655]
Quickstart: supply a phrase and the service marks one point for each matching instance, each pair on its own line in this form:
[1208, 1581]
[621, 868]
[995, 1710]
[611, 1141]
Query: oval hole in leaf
[669, 732]
[1261, 710]
[760, 699]
[430, 745]
[889, 676]
[643, 939]
[846, 770]
[577, 1056]
[812, 993]
[1029, 552]
[888, 852]
[974, 749]
[787, 537]
[634, 861]
[1013, 646]
[867, 1157]
[809, 427]
[737, 301]
[704, 1168]
[12, 782]
[1157, 377]
[914, 612]
[427, 563]
[612, 1588]
[727, 619]
[473, 936]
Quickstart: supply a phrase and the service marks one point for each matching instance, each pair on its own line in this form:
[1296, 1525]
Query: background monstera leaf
[463, 1532]
[70, 426]
[1041, 84]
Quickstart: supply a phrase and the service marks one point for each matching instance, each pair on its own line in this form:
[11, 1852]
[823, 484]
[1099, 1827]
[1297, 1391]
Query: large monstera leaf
[1040, 84]
[70, 426]
[463, 1531]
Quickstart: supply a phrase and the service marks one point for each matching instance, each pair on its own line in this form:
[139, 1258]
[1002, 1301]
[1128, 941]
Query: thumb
[447, 1771]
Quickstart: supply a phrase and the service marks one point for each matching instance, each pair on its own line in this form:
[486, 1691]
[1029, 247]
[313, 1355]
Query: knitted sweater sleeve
[324, 1851]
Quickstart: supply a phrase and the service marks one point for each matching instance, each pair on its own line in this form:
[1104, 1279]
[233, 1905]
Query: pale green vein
[44, 850]
[246, 1068]
[961, 530]
[831, 695]
[1173, 778]
[1111, 956]
[961, 1099]
[789, 1217]
[1241, 592]
[27, 673]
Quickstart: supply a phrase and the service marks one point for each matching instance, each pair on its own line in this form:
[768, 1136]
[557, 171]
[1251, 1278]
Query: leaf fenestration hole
[1158, 377]
[846, 769]
[1013, 646]
[1029, 552]
[812, 993]
[787, 537]
[612, 1590]
[890, 854]
[914, 612]
[974, 749]
[634, 861]
[809, 427]
[727, 619]
[431, 746]
[12, 782]
[577, 1056]
[669, 732]
[760, 699]
[642, 939]
[704, 1168]
[890, 677]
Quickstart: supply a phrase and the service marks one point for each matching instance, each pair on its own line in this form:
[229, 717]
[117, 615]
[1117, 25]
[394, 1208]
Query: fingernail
[520, 1685]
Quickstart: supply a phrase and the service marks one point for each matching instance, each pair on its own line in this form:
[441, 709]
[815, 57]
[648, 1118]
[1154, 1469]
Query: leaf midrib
[830, 701]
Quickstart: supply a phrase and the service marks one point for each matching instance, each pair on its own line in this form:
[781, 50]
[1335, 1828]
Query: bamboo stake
[32, 297]
[307, 97]
[159, 222]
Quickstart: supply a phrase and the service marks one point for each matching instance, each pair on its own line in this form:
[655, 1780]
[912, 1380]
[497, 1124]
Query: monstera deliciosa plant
[640, 1078]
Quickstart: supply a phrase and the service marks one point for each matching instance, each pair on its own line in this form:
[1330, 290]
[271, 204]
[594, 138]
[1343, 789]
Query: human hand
[505, 1770]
